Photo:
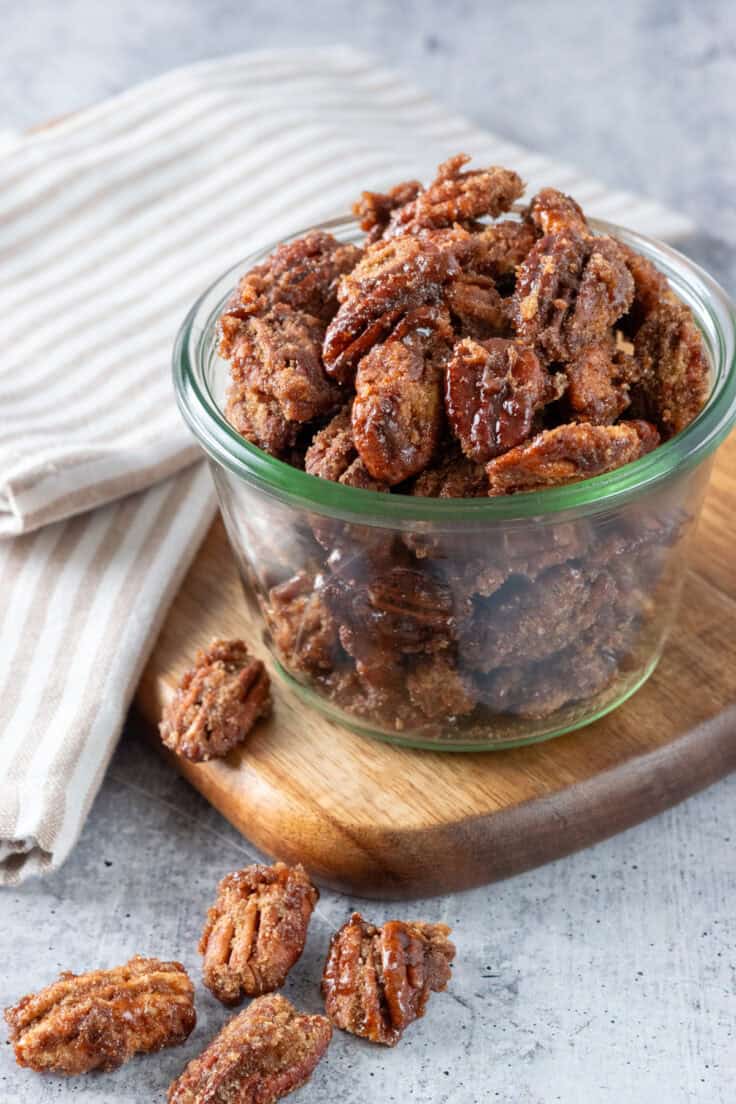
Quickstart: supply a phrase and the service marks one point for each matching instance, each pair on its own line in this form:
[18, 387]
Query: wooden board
[376, 820]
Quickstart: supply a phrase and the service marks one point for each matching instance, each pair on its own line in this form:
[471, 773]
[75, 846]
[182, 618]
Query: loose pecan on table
[259, 1056]
[256, 930]
[377, 981]
[99, 1020]
[217, 702]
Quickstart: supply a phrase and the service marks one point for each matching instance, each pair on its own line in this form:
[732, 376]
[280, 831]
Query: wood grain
[383, 821]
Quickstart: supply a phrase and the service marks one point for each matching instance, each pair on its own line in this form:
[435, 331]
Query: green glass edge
[676, 456]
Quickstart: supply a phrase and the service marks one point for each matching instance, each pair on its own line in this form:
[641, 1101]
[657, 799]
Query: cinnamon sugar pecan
[397, 411]
[553, 212]
[99, 1020]
[457, 197]
[217, 702]
[569, 453]
[476, 305]
[256, 930]
[259, 1056]
[374, 209]
[674, 374]
[500, 248]
[493, 391]
[455, 477]
[303, 629]
[301, 274]
[438, 689]
[333, 455]
[598, 388]
[377, 981]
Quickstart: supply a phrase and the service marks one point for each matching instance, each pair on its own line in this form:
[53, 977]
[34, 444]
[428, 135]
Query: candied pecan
[377, 981]
[333, 455]
[259, 1056]
[402, 609]
[279, 355]
[552, 212]
[569, 291]
[455, 477]
[256, 930]
[457, 197]
[477, 306]
[392, 278]
[438, 689]
[217, 702]
[397, 411]
[539, 689]
[493, 389]
[303, 630]
[500, 248]
[301, 274]
[597, 390]
[650, 289]
[569, 453]
[374, 209]
[674, 373]
[258, 418]
[527, 621]
[99, 1020]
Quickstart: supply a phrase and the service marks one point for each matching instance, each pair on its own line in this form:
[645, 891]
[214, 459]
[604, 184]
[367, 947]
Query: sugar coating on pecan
[500, 248]
[553, 212]
[493, 390]
[333, 455]
[569, 453]
[301, 274]
[674, 373]
[598, 387]
[99, 1020]
[457, 197]
[456, 477]
[377, 981]
[397, 412]
[216, 702]
[438, 689]
[256, 930]
[476, 305]
[374, 209]
[262, 1054]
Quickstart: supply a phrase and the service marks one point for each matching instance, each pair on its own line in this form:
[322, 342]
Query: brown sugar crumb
[397, 411]
[256, 930]
[493, 391]
[568, 454]
[377, 981]
[99, 1020]
[457, 197]
[217, 702]
[553, 212]
[259, 1056]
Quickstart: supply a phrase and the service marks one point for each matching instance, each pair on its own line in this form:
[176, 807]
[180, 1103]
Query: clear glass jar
[463, 624]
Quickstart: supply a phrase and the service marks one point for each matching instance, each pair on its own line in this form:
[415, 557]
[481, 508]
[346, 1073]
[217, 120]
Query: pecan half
[258, 1057]
[374, 209]
[458, 197]
[99, 1020]
[256, 930]
[500, 248]
[437, 689]
[493, 390]
[598, 388]
[392, 278]
[301, 274]
[377, 981]
[674, 373]
[397, 412]
[455, 477]
[568, 454]
[217, 702]
[553, 212]
[302, 627]
[476, 306]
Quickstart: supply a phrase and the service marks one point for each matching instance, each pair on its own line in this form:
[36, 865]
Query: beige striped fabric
[110, 224]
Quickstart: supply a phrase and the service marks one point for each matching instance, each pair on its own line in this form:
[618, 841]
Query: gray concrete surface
[609, 976]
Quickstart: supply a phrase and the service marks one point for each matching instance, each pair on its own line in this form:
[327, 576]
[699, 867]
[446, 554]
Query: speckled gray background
[609, 976]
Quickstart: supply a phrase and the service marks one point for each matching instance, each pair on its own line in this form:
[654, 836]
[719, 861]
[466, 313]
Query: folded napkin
[111, 223]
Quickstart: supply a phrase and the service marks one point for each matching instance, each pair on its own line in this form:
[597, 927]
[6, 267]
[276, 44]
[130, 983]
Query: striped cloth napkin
[111, 223]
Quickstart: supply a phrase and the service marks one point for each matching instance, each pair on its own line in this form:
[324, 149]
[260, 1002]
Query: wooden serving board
[378, 820]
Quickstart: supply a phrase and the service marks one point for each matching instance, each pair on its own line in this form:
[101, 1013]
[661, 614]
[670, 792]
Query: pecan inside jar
[256, 930]
[259, 1056]
[99, 1020]
[217, 702]
[377, 981]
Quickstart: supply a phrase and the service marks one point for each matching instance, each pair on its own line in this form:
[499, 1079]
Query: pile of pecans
[459, 354]
[376, 981]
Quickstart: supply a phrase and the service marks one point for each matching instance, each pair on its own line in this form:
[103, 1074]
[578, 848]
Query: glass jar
[464, 624]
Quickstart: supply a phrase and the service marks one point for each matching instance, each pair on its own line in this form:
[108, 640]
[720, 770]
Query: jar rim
[195, 348]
